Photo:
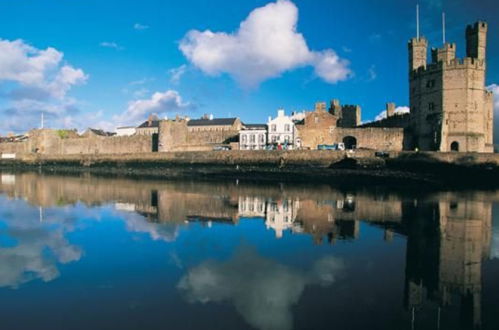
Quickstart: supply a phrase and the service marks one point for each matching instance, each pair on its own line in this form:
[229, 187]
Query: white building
[282, 131]
[125, 131]
[253, 137]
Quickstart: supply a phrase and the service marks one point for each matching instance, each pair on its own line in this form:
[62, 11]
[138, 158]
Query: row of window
[287, 128]
[252, 138]
[210, 129]
[277, 138]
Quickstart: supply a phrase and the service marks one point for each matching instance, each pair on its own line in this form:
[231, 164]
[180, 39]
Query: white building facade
[282, 132]
[253, 137]
[125, 131]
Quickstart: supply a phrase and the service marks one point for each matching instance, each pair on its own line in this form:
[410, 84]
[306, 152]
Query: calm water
[99, 253]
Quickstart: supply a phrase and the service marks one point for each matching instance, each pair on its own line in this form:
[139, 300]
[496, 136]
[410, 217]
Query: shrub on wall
[63, 134]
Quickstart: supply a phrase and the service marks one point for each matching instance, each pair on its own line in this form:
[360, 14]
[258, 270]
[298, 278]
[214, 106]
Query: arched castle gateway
[451, 110]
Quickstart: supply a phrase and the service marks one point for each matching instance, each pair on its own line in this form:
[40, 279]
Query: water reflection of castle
[446, 244]
[448, 234]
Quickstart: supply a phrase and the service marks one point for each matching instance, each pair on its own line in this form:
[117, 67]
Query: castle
[450, 108]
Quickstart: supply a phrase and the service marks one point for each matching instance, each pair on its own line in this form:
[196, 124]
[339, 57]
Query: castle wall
[390, 139]
[426, 102]
[51, 142]
[13, 147]
[317, 128]
[106, 145]
[177, 136]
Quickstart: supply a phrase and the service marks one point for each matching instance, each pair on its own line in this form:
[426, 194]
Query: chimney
[211, 117]
[149, 120]
[280, 113]
[390, 109]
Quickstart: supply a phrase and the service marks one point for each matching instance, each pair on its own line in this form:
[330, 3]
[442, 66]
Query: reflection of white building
[281, 215]
[8, 179]
[253, 137]
[282, 131]
[128, 207]
[251, 207]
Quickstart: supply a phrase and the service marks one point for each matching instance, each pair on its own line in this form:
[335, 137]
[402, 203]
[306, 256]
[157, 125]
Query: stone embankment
[442, 169]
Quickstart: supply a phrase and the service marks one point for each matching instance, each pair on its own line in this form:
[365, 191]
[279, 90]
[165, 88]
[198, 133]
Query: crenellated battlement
[454, 64]
[350, 107]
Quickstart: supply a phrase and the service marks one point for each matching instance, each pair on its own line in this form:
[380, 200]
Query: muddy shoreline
[408, 169]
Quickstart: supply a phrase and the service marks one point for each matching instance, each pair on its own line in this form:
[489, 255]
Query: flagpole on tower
[417, 20]
[443, 26]
[42, 122]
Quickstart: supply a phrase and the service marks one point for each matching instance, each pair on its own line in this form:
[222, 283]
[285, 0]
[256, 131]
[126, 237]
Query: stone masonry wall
[49, 142]
[174, 135]
[389, 139]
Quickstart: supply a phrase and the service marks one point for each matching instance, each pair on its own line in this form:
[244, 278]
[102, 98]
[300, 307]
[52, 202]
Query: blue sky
[108, 63]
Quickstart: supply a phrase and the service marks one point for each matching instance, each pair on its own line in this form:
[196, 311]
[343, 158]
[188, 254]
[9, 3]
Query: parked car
[335, 146]
[327, 147]
[382, 154]
[221, 148]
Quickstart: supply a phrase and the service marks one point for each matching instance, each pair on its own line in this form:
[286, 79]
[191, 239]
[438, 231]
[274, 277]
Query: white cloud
[265, 46]
[159, 103]
[111, 44]
[138, 26]
[33, 81]
[398, 110]
[262, 290]
[38, 72]
[177, 73]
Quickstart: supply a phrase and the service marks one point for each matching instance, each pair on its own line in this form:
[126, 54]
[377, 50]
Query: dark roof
[101, 132]
[154, 123]
[255, 126]
[211, 122]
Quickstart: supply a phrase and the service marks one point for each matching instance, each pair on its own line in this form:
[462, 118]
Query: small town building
[125, 131]
[282, 131]
[149, 127]
[253, 137]
[208, 123]
[97, 132]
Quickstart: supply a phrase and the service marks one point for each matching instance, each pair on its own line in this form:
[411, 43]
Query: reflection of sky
[262, 290]
[32, 248]
[33, 241]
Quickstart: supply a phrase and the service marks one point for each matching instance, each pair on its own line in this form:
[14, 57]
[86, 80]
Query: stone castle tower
[451, 110]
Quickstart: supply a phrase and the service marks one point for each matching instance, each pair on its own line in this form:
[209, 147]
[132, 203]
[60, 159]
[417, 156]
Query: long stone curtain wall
[50, 143]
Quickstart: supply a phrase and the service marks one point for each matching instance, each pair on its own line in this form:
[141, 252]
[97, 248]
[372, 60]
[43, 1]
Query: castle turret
[335, 107]
[390, 109]
[450, 105]
[476, 40]
[418, 52]
[445, 54]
